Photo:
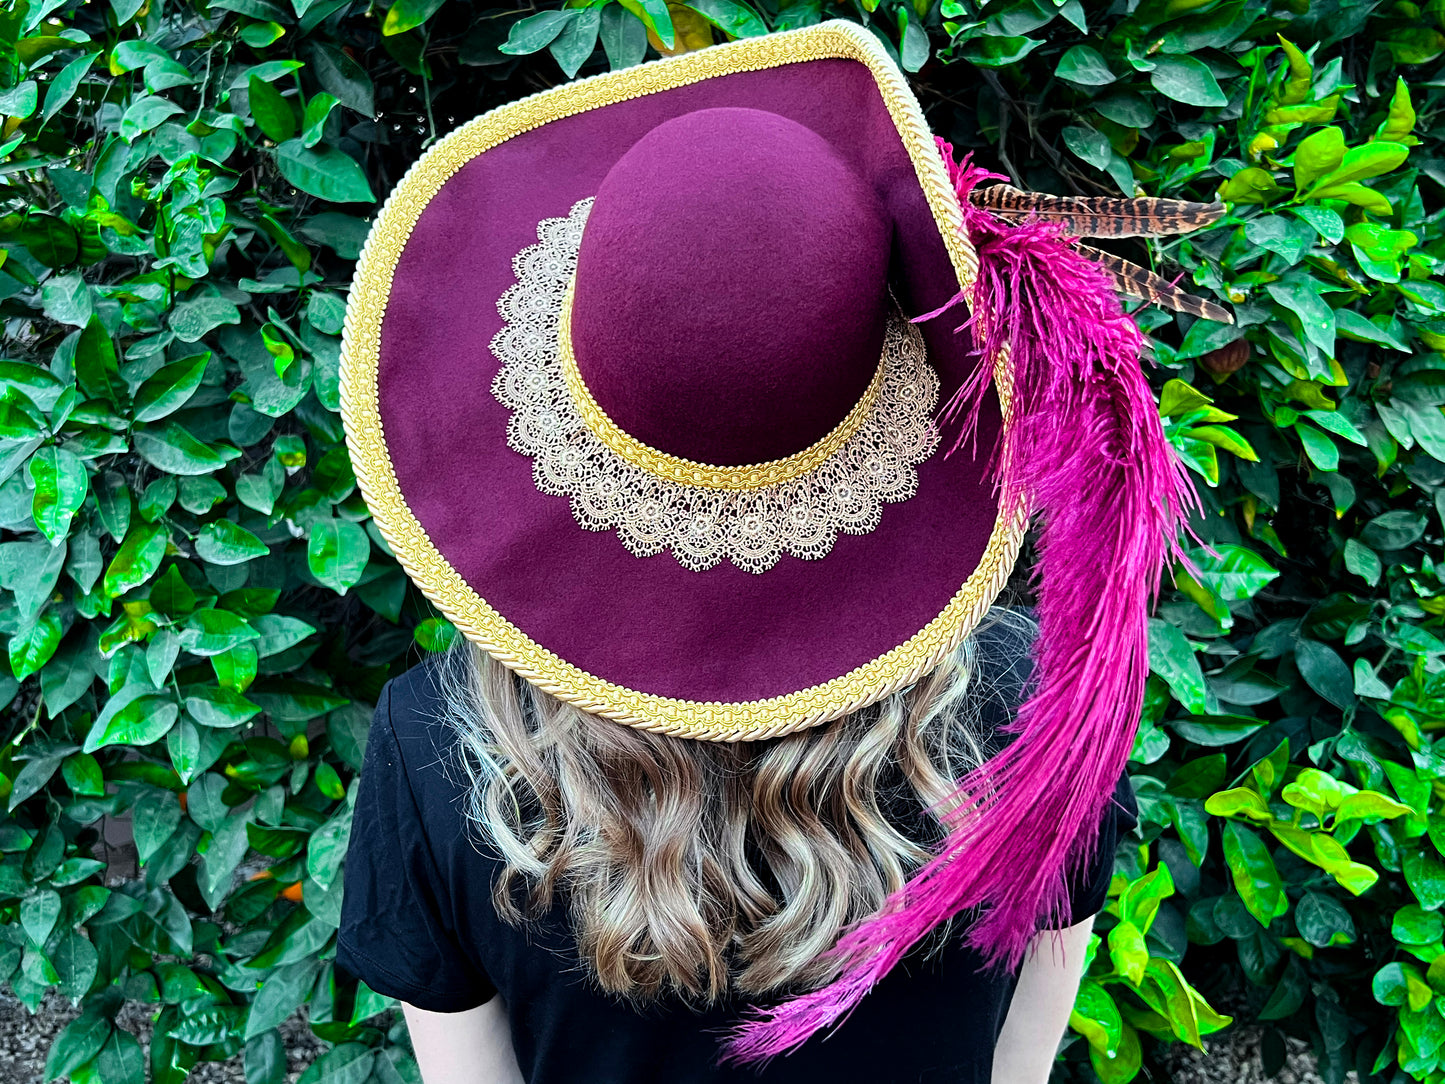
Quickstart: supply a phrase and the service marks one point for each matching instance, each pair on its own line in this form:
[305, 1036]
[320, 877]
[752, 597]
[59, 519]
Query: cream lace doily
[702, 526]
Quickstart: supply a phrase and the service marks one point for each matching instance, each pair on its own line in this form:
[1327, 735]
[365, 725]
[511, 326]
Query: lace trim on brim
[701, 526]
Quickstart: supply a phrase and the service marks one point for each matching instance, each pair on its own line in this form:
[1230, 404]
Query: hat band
[686, 472]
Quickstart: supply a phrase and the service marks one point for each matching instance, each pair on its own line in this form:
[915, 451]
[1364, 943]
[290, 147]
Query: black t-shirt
[418, 924]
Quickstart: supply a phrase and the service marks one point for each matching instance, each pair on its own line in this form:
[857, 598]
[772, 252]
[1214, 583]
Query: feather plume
[1129, 278]
[1085, 447]
[1098, 216]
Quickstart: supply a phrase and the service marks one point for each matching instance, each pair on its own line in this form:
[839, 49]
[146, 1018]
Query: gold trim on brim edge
[469, 612]
[686, 472]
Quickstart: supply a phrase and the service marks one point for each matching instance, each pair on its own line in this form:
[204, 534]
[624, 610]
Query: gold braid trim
[360, 355]
[686, 472]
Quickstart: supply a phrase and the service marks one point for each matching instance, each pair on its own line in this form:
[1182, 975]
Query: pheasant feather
[1131, 279]
[1085, 447]
[1098, 216]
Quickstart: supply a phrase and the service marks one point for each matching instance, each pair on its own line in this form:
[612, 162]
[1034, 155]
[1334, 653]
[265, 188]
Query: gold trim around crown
[686, 472]
[457, 599]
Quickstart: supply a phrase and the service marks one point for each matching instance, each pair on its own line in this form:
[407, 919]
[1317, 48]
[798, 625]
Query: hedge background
[198, 615]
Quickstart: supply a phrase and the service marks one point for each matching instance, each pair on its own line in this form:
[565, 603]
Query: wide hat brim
[721, 654]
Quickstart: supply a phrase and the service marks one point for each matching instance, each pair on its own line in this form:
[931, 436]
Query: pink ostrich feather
[1085, 447]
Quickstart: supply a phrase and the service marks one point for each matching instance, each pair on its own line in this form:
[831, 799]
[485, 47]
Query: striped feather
[1135, 281]
[1098, 216]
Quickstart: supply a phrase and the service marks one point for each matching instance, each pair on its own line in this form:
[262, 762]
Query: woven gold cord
[685, 472]
[361, 344]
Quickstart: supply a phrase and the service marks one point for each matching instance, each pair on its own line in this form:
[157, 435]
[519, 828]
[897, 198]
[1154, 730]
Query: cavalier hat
[646, 381]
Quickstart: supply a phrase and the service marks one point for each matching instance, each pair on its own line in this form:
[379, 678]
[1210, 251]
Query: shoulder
[411, 721]
[1003, 662]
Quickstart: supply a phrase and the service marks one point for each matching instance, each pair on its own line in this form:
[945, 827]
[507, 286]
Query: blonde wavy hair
[698, 868]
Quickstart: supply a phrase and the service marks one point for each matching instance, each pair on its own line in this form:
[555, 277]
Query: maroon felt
[648, 623]
[742, 357]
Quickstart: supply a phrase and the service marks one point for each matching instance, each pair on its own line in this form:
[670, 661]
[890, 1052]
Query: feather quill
[1098, 216]
[1085, 448]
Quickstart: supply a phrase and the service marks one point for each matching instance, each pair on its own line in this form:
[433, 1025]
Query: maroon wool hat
[641, 379]
[631, 388]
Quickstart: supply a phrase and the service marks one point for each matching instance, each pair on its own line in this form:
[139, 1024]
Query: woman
[631, 893]
[642, 380]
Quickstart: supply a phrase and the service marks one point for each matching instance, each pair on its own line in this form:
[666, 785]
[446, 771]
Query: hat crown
[731, 290]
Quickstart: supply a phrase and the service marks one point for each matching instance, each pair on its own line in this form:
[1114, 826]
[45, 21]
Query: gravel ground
[1233, 1057]
[25, 1040]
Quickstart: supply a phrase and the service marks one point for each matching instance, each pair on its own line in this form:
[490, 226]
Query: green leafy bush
[197, 613]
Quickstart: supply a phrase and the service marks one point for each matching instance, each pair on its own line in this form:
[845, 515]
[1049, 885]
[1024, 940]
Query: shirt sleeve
[1089, 884]
[393, 934]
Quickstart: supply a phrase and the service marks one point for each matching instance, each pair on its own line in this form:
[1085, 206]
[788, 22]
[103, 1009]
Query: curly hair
[699, 868]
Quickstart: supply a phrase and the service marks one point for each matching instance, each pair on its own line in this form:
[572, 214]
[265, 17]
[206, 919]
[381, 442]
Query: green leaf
[1325, 672]
[1323, 921]
[406, 14]
[138, 558]
[1187, 80]
[61, 483]
[236, 668]
[735, 19]
[913, 47]
[265, 1059]
[1400, 120]
[1128, 951]
[280, 995]
[39, 913]
[1425, 874]
[1300, 297]
[95, 364]
[144, 114]
[120, 1060]
[1390, 984]
[32, 648]
[135, 716]
[273, 113]
[1365, 563]
[337, 553]
[83, 775]
[1394, 530]
[211, 632]
[1318, 154]
[220, 707]
[1173, 659]
[435, 634]
[1239, 802]
[65, 84]
[1320, 449]
[78, 1043]
[1084, 65]
[154, 818]
[174, 450]
[1254, 873]
[1250, 185]
[327, 848]
[170, 388]
[195, 317]
[1367, 684]
[1358, 164]
[1234, 573]
[1370, 805]
[536, 32]
[323, 171]
[624, 37]
[225, 543]
[347, 1063]
[313, 123]
[279, 633]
